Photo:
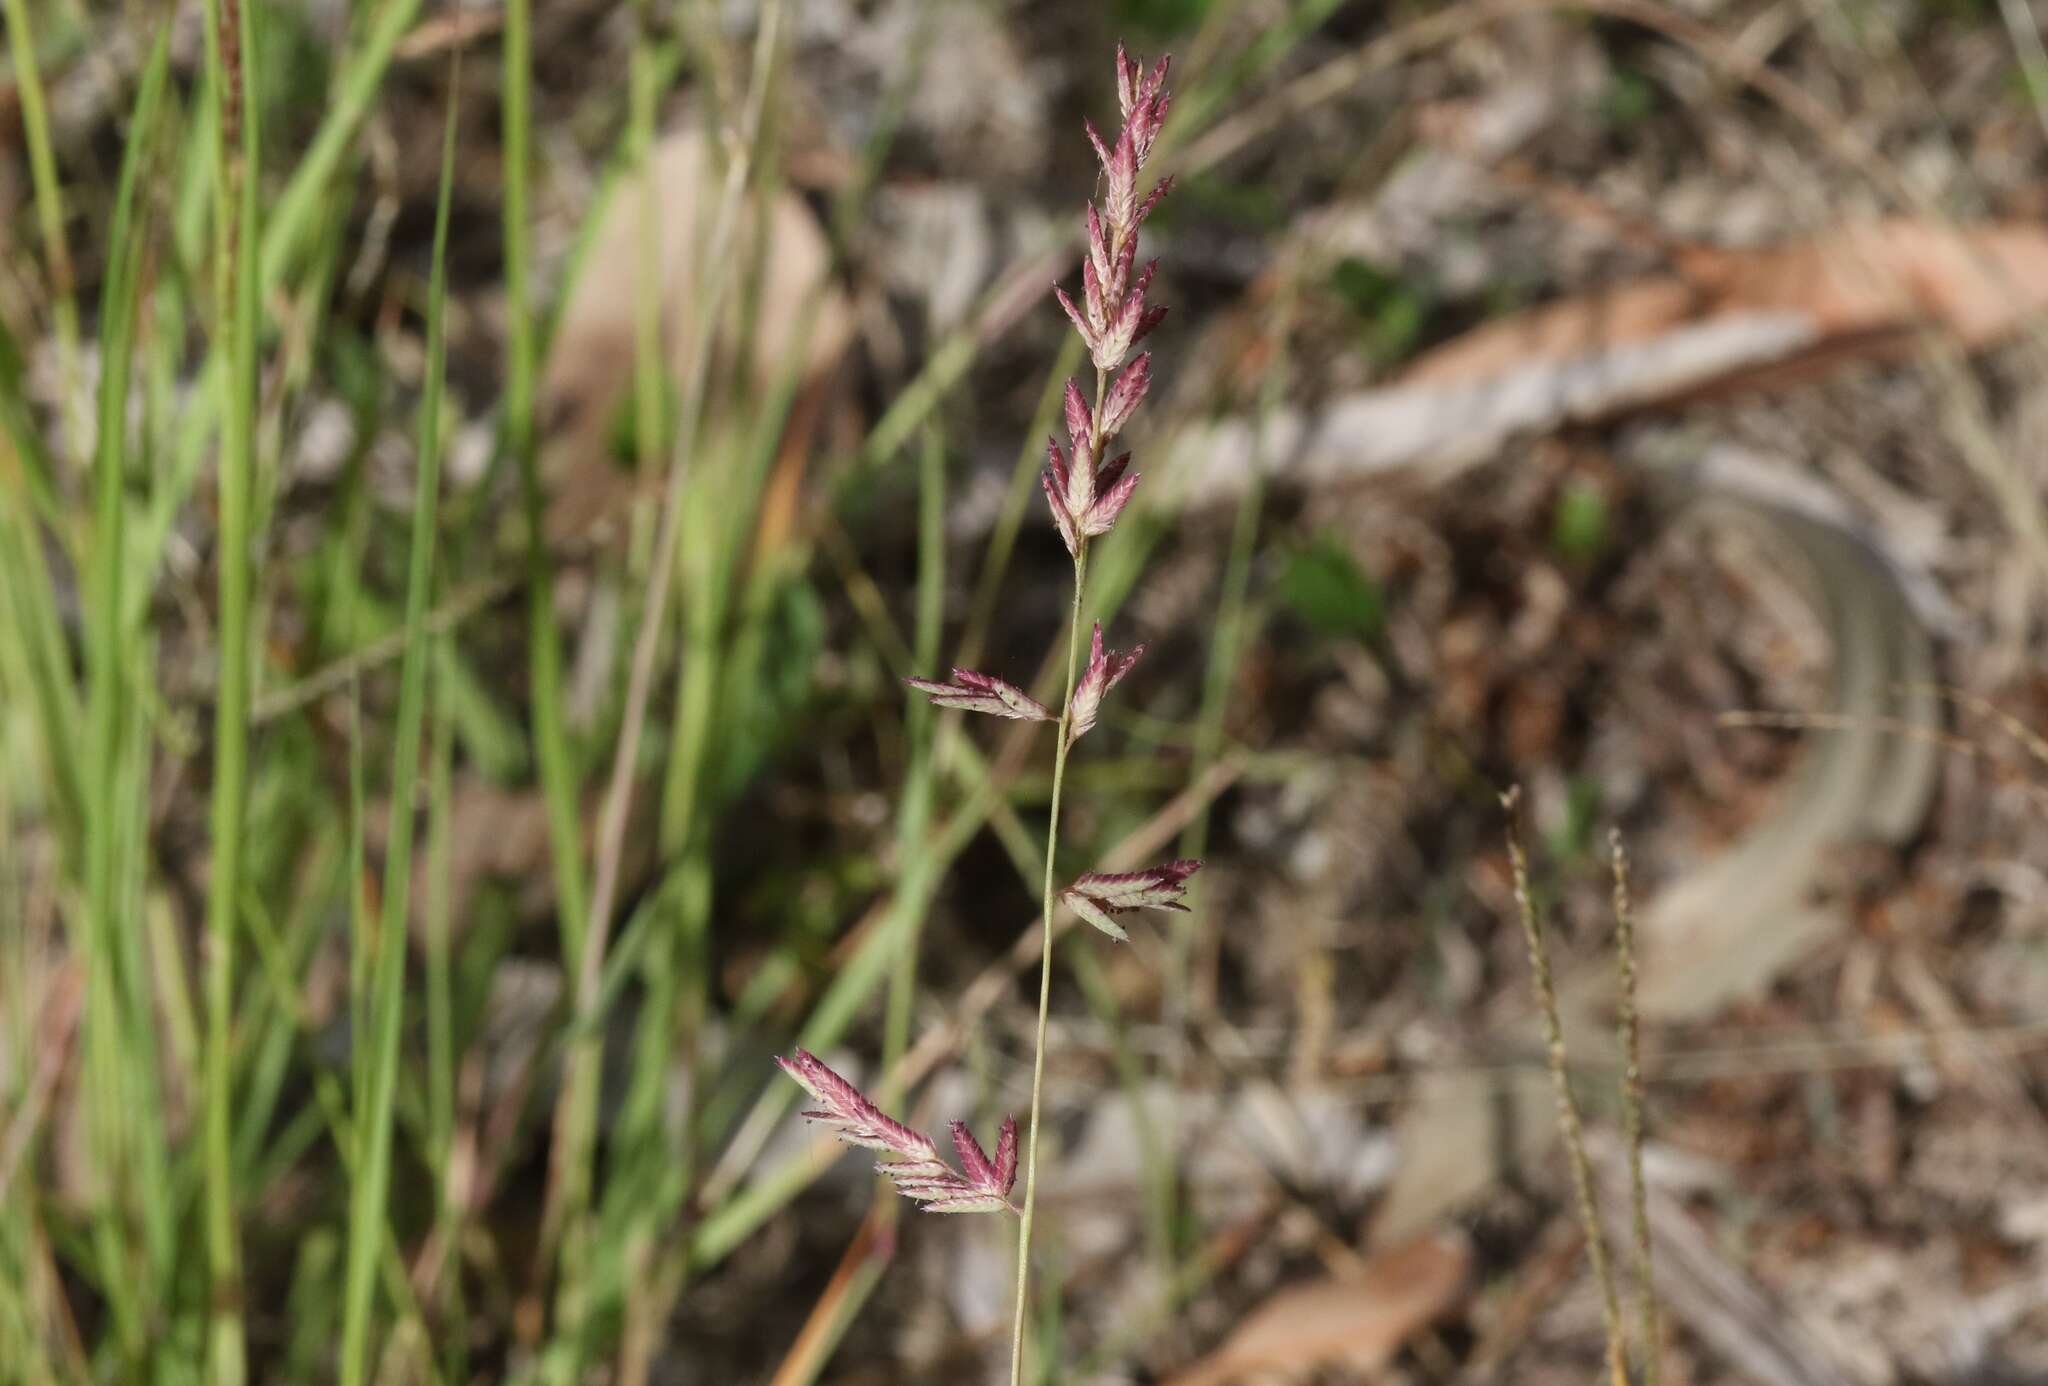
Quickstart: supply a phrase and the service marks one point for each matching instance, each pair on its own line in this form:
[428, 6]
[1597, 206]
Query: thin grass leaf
[558, 773]
[370, 1188]
[231, 73]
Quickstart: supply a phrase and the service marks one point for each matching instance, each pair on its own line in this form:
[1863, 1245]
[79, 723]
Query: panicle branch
[908, 1157]
[972, 692]
[1098, 896]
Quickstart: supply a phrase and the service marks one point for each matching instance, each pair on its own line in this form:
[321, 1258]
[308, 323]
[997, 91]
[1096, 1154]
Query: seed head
[1098, 896]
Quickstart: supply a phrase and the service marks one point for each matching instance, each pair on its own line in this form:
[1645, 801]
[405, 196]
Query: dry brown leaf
[1859, 289]
[796, 314]
[1736, 319]
[1358, 1322]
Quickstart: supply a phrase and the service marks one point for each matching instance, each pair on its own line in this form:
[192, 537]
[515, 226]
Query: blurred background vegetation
[472, 480]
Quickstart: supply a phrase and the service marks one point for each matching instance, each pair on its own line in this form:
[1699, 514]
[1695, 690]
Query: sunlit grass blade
[294, 216]
[373, 1132]
[441, 1028]
[558, 774]
[232, 50]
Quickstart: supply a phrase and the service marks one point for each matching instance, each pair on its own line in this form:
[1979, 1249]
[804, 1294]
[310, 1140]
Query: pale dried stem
[1568, 1120]
[1632, 1112]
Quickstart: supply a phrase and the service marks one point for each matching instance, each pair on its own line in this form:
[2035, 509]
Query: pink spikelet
[1101, 516]
[1099, 896]
[908, 1157]
[1062, 518]
[1126, 395]
[1106, 668]
[1006, 1154]
[998, 1175]
[1077, 416]
[1135, 85]
[972, 692]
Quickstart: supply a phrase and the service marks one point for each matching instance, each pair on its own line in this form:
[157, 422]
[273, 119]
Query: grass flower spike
[1087, 488]
[916, 1169]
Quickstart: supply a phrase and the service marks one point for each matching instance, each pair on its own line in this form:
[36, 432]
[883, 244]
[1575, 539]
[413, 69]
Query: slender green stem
[550, 727]
[378, 1087]
[296, 214]
[231, 48]
[1052, 839]
[443, 1294]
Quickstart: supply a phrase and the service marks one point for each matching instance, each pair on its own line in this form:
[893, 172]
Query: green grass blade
[550, 730]
[294, 216]
[231, 63]
[441, 1022]
[374, 1123]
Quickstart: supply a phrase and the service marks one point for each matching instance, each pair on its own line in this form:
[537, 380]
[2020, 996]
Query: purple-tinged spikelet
[1144, 92]
[1055, 496]
[972, 692]
[909, 1158]
[998, 1175]
[1101, 516]
[1098, 896]
[1126, 395]
[1077, 417]
[1006, 1154]
[1106, 668]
